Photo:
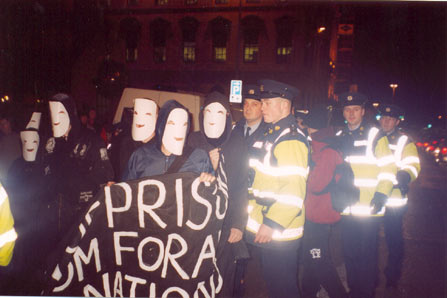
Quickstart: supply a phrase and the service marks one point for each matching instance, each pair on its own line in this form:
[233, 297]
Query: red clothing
[319, 206]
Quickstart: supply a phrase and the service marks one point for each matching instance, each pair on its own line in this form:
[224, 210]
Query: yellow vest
[7, 233]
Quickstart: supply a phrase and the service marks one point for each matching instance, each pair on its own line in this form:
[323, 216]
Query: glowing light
[321, 29]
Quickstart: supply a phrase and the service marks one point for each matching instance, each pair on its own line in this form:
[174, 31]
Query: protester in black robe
[29, 192]
[229, 151]
[78, 161]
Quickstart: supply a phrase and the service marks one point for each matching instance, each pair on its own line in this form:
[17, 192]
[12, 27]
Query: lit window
[159, 54]
[251, 53]
[283, 54]
[220, 54]
[189, 52]
[131, 55]
[162, 2]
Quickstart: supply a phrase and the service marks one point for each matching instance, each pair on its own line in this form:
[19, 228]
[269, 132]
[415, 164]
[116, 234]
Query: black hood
[70, 106]
[223, 100]
[163, 115]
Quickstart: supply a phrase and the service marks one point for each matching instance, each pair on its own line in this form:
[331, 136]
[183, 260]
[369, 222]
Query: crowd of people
[291, 178]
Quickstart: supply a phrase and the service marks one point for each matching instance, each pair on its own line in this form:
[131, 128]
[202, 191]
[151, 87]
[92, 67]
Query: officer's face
[271, 109]
[388, 123]
[353, 114]
[252, 110]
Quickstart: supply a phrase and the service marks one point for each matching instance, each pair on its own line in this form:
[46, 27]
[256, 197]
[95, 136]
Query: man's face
[388, 123]
[252, 110]
[353, 114]
[271, 109]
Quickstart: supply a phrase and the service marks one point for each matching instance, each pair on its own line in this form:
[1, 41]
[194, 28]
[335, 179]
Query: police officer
[372, 162]
[251, 126]
[280, 165]
[408, 166]
[77, 159]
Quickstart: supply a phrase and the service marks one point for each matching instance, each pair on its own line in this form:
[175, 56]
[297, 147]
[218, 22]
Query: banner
[154, 237]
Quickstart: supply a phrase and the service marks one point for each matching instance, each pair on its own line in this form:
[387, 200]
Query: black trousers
[359, 236]
[395, 243]
[318, 268]
[280, 269]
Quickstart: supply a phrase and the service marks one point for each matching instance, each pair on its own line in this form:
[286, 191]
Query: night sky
[395, 42]
[403, 43]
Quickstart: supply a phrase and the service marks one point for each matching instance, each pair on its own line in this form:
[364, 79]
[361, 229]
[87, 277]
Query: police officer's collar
[281, 124]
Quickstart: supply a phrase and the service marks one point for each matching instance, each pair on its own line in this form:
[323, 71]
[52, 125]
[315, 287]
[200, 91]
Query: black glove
[378, 202]
[403, 179]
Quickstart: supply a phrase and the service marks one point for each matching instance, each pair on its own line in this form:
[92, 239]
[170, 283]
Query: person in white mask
[228, 150]
[156, 158]
[142, 131]
[34, 122]
[78, 159]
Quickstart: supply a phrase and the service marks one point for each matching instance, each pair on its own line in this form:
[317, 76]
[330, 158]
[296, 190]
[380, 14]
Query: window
[159, 54]
[161, 2]
[219, 29]
[283, 54]
[131, 55]
[160, 29]
[130, 32]
[189, 27]
[284, 39]
[220, 54]
[252, 26]
[251, 53]
[189, 52]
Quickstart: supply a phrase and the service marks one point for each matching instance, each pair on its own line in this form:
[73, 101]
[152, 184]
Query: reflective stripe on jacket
[407, 159]
[371, 160]
[280, 165]
[7, 233]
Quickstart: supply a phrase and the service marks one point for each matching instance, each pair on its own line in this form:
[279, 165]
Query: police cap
[251, 92]
[271, 89]
[390, 110]
[352, 99]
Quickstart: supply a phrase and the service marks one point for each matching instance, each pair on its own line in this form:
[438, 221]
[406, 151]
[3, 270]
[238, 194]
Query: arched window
[160, 30]
[284, 39]
[251, 26]
[189, 27]
[130, 31]
[219, 29]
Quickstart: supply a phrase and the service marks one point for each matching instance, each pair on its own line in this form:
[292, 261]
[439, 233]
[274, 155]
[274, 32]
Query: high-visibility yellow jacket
[280, 166]
[407, 159]
[366, 149]
[7, 233]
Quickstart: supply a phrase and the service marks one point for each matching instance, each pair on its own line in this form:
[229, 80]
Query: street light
[394, 86]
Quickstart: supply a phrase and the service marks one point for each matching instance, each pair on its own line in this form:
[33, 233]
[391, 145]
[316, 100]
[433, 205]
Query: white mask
[214, 120]
[60, 121]
[30, 144]
[144, 119]
[175, 131]
[34, 121]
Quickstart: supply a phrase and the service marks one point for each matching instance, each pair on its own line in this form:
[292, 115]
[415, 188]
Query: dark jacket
[324, 160]
[79, 165]
[148, 160]
[255, 136]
